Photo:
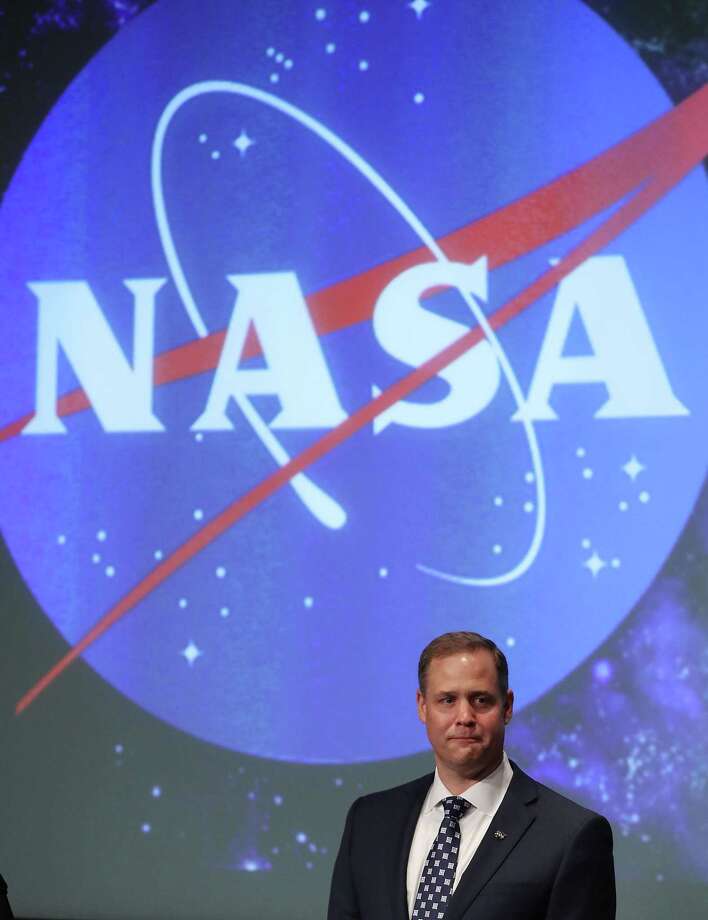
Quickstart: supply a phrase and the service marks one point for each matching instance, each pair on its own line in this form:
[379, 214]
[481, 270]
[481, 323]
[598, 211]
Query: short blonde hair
[452, 642]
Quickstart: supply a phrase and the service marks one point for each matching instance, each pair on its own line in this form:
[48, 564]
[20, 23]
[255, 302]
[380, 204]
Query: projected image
[312, 349]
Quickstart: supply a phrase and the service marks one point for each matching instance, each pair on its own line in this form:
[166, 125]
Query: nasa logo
[301, 369]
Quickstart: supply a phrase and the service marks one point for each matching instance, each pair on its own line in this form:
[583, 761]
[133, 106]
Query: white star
[191, 652]
[243, 142]
[633, 467]
[419, 6]
[595, 564]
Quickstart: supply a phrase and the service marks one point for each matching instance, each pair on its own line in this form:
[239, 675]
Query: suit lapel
[415, 798]
[514, 816]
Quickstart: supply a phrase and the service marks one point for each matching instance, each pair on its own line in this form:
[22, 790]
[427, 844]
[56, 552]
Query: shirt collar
[486, 794]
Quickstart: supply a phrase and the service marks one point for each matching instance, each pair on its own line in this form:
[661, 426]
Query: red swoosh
[650, 161]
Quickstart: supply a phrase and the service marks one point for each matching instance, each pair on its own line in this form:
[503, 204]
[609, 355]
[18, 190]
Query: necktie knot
[455, 806]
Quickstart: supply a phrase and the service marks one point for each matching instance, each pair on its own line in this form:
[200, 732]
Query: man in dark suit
[478, 839]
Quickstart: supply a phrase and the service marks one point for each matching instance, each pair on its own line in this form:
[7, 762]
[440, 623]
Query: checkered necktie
[435, 888]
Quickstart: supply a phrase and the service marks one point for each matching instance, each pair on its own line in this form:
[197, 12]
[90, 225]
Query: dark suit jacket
[4, 903]
[553, 862]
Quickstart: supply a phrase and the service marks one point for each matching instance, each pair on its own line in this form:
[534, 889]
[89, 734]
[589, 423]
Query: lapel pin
[500, 835]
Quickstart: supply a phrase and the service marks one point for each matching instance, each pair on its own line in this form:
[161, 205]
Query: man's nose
[465, 713]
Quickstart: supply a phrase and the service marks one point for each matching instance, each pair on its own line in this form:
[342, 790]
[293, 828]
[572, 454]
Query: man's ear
[508, 706]
[422, 709]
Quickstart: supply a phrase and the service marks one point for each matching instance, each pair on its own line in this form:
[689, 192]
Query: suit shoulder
[398, 797]
[564, 811]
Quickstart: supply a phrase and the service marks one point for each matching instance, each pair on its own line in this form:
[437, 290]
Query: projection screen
[326, 328]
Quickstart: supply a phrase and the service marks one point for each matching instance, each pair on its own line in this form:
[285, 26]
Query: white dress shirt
[485, 797]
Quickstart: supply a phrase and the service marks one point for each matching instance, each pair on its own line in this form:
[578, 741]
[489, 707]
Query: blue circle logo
[325, 331]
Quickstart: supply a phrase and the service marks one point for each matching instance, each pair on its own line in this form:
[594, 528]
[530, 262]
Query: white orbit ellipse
[205, 87]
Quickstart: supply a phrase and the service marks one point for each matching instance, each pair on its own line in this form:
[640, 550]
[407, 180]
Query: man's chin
[471, 761]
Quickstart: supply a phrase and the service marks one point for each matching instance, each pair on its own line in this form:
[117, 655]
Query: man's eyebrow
[480, 691]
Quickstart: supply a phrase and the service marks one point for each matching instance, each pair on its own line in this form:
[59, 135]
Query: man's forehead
[462, 665]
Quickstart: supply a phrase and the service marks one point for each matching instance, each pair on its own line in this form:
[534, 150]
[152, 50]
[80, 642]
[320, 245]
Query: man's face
[465, 716]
